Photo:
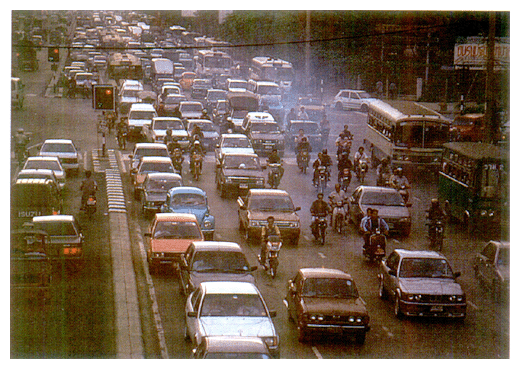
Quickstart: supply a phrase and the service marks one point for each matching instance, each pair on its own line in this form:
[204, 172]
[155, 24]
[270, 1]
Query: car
[168, 89]
[228, 308]
[259, 204]
[491, 266]
[199, 88]
[129, 94]
[157, 131]
[213, 95]
[146, 149]
[232, 143]
[352, 99]
[168, 238]
[210, 132]
[150, 164]
[237, 173]
[155, 188]
[468, 128]
[421, 284]
[264, 133]
[47, 162]
[213, 261]
[17, 92]
[322, 300]
[140, 114]
[39, 174]
[236, 85]
[231, 347]
[273, 105]
[389, 203]
[311, 130]
[313, 107]
[186, 80]
[169, 103]
[191, 109]
[63, 149]
[191, 200]
[64, 238]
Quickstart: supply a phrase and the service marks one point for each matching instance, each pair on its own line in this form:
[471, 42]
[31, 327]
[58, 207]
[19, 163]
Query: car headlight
[456, 298]
[228, 180]
[405, 220]
[158, 254]
[483, 213]
[254, 223]
[293, 224]
[260, 181]
[271, 341]
[207, 224]
[317, 317]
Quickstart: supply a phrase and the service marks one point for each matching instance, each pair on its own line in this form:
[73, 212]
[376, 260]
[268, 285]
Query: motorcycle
[323, 177]
[383, 180]
[403, 191]
[274, 245]
[436, 234]
[320, 228]
[339, 217]
[196, 159]
[376, 250]
[303, 160]
[91, 206]
[275, 174]
[177, 160]
[345, 179]
[361, 171]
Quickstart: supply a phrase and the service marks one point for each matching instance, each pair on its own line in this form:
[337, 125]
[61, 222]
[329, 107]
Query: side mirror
[456, 274]
[408, 204]
[272, 313]
[253, 268]
[131, 156]
[148, 234]
[297, 208]
[392, 272]
[192, 314]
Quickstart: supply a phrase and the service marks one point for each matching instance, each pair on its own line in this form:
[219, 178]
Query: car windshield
[265, 127]
[165, 124]
[162, 184]
[308, 128]
[216, 95]
[58, 147]
[241, 162]
[364, 95]
[177, 230]
[170, 99]
[150, 152]
[232, 305]
[425, 268]
[204, 126]
[42, 164]
[192, 107]
[236, 355]
[130, 93]
[156, 167]
[220, 261]
[188, 199]
[57, 228]
[239, 114]
[274, 203]
[382, 198]
[503, 256]
[236, 142]
[141, 115]
[238, 84]
[329, 287]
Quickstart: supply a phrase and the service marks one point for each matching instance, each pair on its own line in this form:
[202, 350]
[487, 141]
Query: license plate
[242, 185]
[334, 330]
[436, 309]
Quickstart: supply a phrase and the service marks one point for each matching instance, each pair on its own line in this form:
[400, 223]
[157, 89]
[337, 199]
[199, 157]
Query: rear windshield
[58, 147]
[57, 228]
[32, 195]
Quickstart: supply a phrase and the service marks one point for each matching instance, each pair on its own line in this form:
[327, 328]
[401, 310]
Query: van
[17, 92]
[32, 197]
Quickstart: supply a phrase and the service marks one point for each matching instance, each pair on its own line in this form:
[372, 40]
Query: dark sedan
[237, 173]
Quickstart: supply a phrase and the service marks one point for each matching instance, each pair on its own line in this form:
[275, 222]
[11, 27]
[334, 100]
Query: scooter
[320, 229]
[405, 194]
[275, 174]
[436, 234]
[274, 245]
[323, 177]
[303, 160]
[338, 217]
[361, 171]
[376, 250]
[197, 165]
[177, 160]
[91, 206]
[345, 179]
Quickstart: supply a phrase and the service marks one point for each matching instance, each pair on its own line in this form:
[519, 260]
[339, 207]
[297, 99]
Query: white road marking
[316, 352]
[472, 305]
[322, 255]
[389, 334]
[307, 238]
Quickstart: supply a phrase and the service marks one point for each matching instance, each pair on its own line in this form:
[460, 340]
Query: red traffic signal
[103, 97]
[53, 54]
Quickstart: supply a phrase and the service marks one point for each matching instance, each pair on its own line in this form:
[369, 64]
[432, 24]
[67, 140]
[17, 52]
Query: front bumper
[440, 310]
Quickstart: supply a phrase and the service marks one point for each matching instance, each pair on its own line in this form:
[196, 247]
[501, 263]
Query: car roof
[250, 154]
[419, 254]
[229, 287]
[267, 191]
[156, 159]
[149, 145]
[58, 140]
[234, 135]
[324, 272]
[53, 218]
[500, 244]
[175, 217]
[259, 115]
[216, 245]
[349, 89]
[44, 158]
[235, 344]
[167, 118]
[163, 175]
[377, 189]
[48, 172]
[186, 189]
[142, 106]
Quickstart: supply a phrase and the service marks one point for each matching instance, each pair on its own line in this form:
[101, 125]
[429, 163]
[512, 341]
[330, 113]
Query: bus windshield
[421, 134]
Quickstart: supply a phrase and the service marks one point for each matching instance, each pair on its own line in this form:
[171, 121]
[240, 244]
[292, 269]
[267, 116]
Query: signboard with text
[474, 55]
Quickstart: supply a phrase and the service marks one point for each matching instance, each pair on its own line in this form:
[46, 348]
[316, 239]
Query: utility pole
[307, 49]
[491, 104]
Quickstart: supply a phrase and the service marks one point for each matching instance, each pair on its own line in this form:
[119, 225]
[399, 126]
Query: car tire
[360, 338]
[338, 106]
[383, 295]
[397, 308]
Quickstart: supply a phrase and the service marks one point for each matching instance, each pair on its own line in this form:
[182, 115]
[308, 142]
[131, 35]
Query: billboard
[473, 54]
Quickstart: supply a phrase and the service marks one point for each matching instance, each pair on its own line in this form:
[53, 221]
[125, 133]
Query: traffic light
[103, 97]
[53, 54]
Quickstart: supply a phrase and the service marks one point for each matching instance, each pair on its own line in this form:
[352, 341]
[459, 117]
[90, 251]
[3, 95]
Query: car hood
[263, 215]
[139, 122]
[332, 306]
[197, 277]
[239, 150]
[199, 213]
[388, 211]
[242, 173]
[237, 326]
[210, 134]
[175, 133]
[169, 245]
[266, 136]
[430, 286]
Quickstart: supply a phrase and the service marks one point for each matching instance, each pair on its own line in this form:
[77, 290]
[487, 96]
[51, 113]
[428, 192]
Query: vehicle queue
[173, 241]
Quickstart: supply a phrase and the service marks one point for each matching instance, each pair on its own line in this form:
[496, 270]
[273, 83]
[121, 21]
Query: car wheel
[295, 240]
[338, 106]
[364, 108]
[382, 292]
[397, 308]
[302, 334]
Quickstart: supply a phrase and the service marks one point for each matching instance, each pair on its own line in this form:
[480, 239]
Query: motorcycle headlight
[228, 180]
[483, 213]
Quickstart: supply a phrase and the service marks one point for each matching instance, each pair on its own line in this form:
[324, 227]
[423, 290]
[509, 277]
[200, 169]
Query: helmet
[320, 195]
[196, 143]
[384, 161]
[435, 202]
[399, 170]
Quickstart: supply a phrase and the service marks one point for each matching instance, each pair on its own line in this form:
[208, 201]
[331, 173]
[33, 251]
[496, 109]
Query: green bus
[474, 184]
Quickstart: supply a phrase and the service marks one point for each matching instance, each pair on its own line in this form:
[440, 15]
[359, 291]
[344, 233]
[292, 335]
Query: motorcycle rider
[196, 148]
[291, 116]
[344, 175]
[347, 133]
[435, 212]
[371, 225]
[301, 147]
[319, 208]
[359, 156]
[322, 160]
[325, 129]
[274, 158]
[399, 181]
[299, 138]
[170, 142]
[270, 229]
[302, 114]
[88, 188]
[177, 159]
[336, 198]
[122, 132]
[20, 144]
[384, 171]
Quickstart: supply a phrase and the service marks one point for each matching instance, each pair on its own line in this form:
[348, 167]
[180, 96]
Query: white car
[140, 115]
[47, 162]
[160, 125]
[233, 143]
[230, 309]
[352, 99]
[65, 150]
[146, 149]
[191, 109]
